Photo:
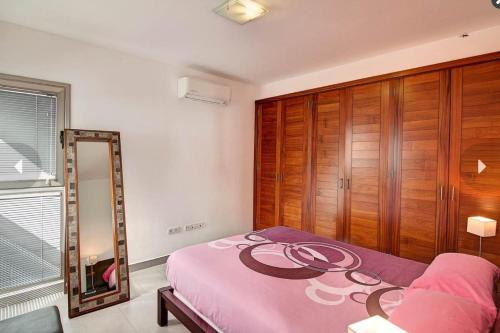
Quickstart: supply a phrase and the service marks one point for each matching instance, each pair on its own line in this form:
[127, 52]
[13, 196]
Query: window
[32, 114]
[28, 139]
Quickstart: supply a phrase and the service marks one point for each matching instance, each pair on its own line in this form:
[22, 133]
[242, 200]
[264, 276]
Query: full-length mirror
[96, 258]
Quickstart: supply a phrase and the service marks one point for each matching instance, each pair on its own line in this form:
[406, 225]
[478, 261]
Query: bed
[281, 280]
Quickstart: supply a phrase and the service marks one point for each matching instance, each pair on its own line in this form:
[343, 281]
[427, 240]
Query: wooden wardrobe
[389, 162]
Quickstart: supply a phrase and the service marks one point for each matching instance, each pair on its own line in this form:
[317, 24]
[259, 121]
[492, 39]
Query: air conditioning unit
[203, 91]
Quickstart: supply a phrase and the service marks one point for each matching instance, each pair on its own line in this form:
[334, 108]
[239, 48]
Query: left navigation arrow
[19, 166]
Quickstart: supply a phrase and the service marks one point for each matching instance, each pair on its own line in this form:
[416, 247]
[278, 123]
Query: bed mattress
[283, 280]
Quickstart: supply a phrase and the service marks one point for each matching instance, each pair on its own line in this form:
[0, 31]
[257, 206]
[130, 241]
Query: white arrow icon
[480, 165]
[19, 166]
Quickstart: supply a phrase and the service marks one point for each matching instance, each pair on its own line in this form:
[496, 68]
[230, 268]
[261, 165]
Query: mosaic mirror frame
[76, 305]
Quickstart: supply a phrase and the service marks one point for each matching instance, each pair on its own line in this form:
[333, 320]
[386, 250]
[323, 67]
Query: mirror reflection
[95, 217]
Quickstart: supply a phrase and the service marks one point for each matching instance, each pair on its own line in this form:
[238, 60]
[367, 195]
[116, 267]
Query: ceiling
[296, 37]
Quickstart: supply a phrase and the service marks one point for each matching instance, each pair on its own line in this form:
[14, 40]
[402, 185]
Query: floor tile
[141, 314]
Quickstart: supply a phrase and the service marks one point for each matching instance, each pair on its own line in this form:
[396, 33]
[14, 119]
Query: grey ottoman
[46, 320]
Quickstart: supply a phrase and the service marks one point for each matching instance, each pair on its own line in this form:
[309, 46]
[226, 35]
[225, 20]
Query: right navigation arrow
[480, 166]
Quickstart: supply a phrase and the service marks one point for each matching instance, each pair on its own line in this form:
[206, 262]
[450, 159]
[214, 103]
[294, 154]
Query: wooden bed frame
[167, 302]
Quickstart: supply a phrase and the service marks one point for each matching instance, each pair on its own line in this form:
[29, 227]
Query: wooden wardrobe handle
[341, 183]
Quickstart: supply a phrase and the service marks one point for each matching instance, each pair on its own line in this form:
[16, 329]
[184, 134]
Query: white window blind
[30, 239]
[28, 136]
[30, 222]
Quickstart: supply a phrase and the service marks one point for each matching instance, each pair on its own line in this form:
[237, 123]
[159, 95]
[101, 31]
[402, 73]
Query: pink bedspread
[282, 280]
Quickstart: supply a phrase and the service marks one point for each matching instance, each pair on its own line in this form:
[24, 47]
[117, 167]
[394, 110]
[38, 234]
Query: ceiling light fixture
[241, 11]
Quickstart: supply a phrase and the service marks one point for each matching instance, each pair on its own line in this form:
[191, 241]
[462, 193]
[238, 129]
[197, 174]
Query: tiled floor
[136, 316]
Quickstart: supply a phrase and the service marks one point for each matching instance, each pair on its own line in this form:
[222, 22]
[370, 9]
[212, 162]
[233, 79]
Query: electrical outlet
[195, 226]
[174, 230]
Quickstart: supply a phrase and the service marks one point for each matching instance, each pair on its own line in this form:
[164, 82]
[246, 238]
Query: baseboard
[146, 264]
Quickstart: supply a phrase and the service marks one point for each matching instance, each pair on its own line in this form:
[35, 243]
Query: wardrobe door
[296, 162]
[328, 156]
[475, 142]
[267, 156]
[362, 179]
[424, 147]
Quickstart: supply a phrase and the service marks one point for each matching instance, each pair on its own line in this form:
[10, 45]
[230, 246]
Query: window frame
[62, 92]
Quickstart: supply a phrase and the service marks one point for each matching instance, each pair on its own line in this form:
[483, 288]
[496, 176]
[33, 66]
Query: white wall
[183, 162]
[479, 42]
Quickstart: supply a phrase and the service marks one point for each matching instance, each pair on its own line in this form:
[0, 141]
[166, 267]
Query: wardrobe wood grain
[295, 162]
[476, 115]
[443, 159]
[327, 182]
[424, 147]
[267, 185]
[363, 171]
[388, 190]
[454, 163]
